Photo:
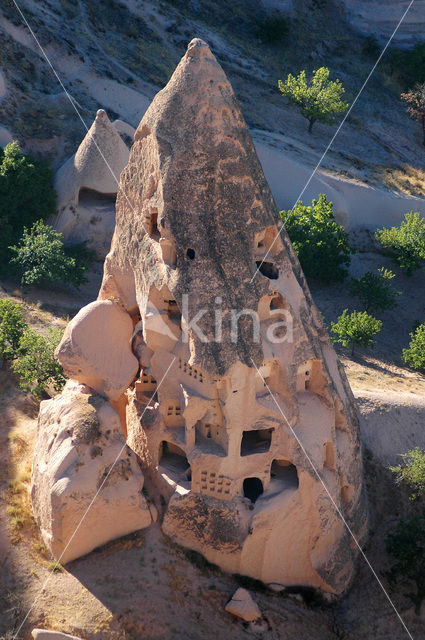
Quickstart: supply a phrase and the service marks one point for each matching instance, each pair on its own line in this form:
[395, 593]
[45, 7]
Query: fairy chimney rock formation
[87, 183]
[239, 401]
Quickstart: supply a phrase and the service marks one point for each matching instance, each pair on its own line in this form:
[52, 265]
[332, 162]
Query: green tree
[36, 365]
[356, 329]
[414, 355]
[26, 195]
[320, 243]
[412, 472]
[407, 545]
[405, 244]
[12, 327]
[319, 99]
[415, 101]
[375, 291]
[42, 258]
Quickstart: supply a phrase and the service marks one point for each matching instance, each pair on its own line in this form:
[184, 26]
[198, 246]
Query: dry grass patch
[372, 375]
[405, 179]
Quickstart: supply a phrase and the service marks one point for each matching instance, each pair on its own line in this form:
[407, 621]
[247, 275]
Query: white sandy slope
[391, 423]
[356, 205]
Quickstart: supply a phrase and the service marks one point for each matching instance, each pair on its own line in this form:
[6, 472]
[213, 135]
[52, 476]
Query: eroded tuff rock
[82, 351]
[79, 444]
[87, 183]
[243, 606]
[228, 420]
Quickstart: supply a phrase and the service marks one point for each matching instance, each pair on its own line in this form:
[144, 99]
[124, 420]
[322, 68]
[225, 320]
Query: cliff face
[240, 413]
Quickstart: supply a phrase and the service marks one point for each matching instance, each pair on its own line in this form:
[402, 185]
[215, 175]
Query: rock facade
[80, 450]
[240, 412]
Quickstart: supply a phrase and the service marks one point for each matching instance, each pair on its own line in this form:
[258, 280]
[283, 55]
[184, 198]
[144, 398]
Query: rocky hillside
[116, 55]
[379, 18]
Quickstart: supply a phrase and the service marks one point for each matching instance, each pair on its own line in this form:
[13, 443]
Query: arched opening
[153, 225]
[211, 437]
[283, 477]
[190, 254]
[256, 441]
[91, 197]
[268, 241]
[252, 488]
[310, 377]
[174, 463]
[329, 455]
[346, 493]
[278, 302]
[173, 311]
[267, 269]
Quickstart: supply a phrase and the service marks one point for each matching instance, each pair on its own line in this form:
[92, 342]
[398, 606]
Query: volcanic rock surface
[240, 413]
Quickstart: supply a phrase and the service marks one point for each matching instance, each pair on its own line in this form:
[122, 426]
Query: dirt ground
[143, 586]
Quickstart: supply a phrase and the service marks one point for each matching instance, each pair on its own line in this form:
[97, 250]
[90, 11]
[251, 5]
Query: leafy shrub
[12, 327]
[319, 99]
[375, 290]
[408, 65]
[407, 545]
[36, 365]
[412, 472]
[405, 244]
[319, 241]
[26, 195]
[273, 29]
[42, 258]
[414, 355]
[356, 329]
[415, 101]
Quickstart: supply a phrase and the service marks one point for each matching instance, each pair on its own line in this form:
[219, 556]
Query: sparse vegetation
[408, 65]
[375, 291]
[273, 29]
[414, 355]
[371, 47]
[412, 472]
[36, 364]
[415, 101]
[26, 195]
[406, 179]
[319, 241]
[42, 258]
[319, 99]
[407, 545]
[356, 329]
[12, 327]
[405, 244]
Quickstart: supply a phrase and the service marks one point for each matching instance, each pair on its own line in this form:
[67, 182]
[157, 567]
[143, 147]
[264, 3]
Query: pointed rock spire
[241, 412]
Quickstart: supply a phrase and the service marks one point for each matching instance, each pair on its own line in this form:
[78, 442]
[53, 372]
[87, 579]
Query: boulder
[243, 606]
[96, 348]
[86, 483]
